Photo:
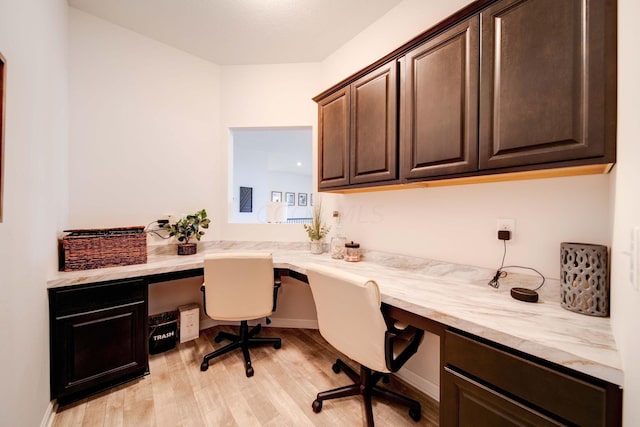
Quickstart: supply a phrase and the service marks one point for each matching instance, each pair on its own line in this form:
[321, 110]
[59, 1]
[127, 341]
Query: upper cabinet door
[543, 82]
[374, 116]
[439, 121]
[333, 139]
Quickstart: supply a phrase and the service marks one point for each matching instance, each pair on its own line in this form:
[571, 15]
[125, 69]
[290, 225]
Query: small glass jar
[337, 247]
[352, 252]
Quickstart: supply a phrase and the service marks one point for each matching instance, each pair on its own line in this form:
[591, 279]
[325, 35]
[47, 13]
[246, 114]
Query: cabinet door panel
[333, 140]
[542, 82]
[439, 129]
[96, 348]
[374, 141]
[468, 403]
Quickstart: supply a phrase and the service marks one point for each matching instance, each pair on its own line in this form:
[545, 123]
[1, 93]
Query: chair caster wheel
[218, 339]
[336, 368]
[277, 345]
[317, 406]
[204, 366]
[415, 414]
[249, 372]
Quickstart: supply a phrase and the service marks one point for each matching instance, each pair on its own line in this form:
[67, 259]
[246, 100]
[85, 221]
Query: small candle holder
[352, 252]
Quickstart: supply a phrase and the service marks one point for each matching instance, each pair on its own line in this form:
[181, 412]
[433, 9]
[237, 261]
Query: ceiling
[241, 32]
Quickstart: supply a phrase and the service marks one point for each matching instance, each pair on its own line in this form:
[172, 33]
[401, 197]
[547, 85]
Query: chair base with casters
[244, 341]
[365, 384]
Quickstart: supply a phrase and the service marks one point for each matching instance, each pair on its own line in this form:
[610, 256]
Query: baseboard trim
[427, 387]
[49, 414]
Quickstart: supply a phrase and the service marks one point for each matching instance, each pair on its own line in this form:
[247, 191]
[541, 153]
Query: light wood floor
[177, 393]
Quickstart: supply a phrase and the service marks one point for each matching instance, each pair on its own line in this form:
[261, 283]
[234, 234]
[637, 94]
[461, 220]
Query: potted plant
[186, 228]
[317, 230]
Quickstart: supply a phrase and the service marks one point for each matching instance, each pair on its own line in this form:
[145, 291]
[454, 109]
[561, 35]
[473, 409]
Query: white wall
[625, 304]
[33, 39]
[145, 127]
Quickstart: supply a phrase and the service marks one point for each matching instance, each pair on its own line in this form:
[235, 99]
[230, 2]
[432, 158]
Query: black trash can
[163, 331]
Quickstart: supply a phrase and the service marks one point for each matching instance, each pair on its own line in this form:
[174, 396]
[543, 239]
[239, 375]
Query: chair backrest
[349, 315]
[238, 286]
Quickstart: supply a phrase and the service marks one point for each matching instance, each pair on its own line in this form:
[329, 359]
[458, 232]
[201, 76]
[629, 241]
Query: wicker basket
[99, 248]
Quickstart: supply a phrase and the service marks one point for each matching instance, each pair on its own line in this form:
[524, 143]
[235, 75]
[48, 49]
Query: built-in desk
[454, 302]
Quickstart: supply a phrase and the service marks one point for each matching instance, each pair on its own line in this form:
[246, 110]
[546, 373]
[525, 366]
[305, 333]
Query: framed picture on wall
[276, 196]
[302, 199]
[246, 199]
[290, 198]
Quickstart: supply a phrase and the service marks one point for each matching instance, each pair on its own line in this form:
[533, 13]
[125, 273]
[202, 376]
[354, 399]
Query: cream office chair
[239, 287]
[350, 319]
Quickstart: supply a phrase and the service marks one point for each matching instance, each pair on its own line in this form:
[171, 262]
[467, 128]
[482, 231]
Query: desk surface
[451, 294]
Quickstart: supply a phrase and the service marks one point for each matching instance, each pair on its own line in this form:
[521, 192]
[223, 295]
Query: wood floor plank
[281, 392]
[114, 411]
[165, 405]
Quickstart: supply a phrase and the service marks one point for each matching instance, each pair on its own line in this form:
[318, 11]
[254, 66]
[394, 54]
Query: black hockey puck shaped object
[523, 294]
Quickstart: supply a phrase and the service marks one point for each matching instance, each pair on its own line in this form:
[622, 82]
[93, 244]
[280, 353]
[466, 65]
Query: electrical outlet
[506, 224]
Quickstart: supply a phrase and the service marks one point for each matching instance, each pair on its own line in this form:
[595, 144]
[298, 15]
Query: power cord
[500, 273]
[155, 230]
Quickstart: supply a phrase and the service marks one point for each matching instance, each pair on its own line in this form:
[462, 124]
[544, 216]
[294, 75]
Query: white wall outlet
[508, 224]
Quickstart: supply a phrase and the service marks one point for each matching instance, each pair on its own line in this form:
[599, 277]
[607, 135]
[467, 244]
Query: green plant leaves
[189, 226]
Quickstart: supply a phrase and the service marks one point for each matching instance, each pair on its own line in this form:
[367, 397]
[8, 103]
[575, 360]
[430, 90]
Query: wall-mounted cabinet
[500, 87]
[357, 131]
[545, 92]
[439, 117]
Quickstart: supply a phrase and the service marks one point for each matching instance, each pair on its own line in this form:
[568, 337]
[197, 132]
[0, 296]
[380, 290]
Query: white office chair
[239, 287]
[350, 319]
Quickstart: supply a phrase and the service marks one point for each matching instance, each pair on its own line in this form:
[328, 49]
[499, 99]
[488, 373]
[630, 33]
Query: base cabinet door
[93, 348]
[484, 384]
[468, 403]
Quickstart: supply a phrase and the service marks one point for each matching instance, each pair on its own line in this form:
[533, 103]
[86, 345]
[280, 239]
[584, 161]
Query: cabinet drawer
[83, 298]
[570, 398]
[469, 403]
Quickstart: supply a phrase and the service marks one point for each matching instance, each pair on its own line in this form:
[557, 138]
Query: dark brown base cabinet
[97, 337]
[485, 385]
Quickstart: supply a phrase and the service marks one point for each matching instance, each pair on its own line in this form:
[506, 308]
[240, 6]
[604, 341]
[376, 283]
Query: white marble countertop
[451, 294]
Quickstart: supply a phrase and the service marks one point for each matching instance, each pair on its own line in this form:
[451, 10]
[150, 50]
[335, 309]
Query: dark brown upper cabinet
[357, 136]
[501, 89]
[543, 82]
[374, 117]
[334, 131]
[439, 117]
